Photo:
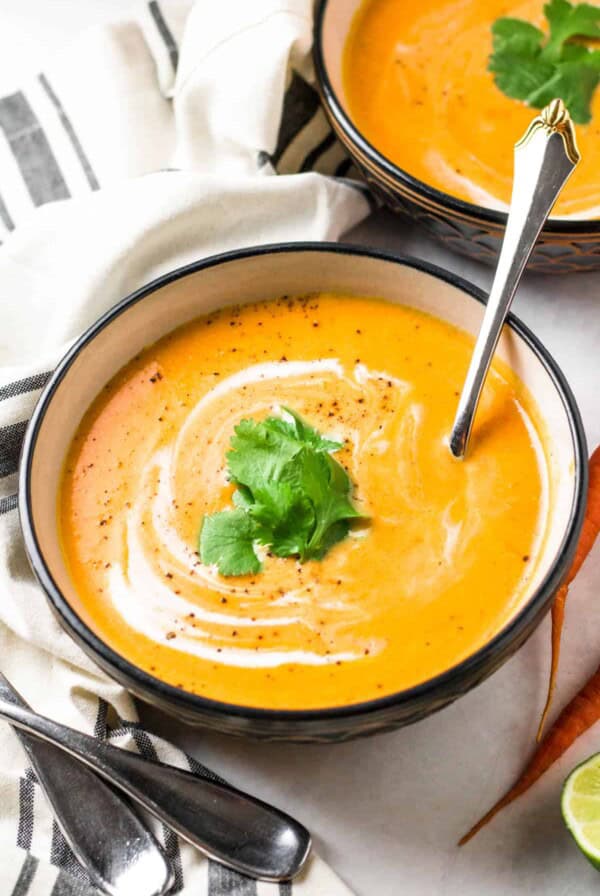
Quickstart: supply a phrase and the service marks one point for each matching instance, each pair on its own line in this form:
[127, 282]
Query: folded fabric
[147, 145]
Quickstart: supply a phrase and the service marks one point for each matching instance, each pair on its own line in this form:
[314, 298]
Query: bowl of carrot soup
[237, 493]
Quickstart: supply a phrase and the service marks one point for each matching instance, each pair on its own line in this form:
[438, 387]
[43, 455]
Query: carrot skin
[579, 715]
[589, 533]
[558, 618]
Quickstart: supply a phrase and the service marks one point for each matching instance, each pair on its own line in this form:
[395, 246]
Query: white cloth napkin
[146, 145]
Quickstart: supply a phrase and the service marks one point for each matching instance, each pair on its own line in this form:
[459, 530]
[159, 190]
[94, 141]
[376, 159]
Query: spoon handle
[226, 824]
[104, 833]
[545, 157]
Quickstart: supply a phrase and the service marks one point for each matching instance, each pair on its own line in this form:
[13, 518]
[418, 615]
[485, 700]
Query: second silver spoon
[230, 826]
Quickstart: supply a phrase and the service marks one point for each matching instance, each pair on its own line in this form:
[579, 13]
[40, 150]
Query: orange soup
[440, 565]
[418, 87]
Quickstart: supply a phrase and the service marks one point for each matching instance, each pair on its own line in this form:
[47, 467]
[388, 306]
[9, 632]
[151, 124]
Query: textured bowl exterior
[463, 227]
[318, 725]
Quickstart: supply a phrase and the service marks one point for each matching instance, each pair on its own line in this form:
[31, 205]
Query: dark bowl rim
[196, 704]
[562, 226]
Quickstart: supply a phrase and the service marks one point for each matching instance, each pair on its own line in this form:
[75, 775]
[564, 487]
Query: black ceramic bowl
[263, 273]
[564, 245]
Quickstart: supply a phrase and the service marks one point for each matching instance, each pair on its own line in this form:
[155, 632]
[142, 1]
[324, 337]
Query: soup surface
[418, 88]
[442, 563]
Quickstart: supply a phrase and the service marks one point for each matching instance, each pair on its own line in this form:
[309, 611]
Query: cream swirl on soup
[390, 604]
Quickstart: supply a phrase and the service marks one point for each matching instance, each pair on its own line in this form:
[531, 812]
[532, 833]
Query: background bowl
[262, 273]
[564, 245]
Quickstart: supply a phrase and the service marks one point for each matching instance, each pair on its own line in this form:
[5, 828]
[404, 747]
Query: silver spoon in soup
[545, 158]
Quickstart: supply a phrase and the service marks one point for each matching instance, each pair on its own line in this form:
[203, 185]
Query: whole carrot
[589, 533]
[579, 715]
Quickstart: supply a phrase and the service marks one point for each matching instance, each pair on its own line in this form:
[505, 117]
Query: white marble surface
[386, 812]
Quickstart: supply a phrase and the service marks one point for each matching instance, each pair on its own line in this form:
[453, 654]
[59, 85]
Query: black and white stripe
[37, 168]
[305, 141]
[5, 217]
[31, 149]
[101, 723]
[26, 876]
[67, 885]
[63, 857]
[317, 152]
[21, 387]
[225, 882]
[70, 130]
[11, 435]
[11, 439]
[300, 105]
[26, 813]
[8, 503]
[198, 769]
[165, 33]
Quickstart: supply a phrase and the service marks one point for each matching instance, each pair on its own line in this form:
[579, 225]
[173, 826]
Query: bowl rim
[196, 704]
[562, 226]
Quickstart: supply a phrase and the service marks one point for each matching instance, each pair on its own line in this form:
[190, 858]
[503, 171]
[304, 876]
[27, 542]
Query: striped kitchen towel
[146, 145]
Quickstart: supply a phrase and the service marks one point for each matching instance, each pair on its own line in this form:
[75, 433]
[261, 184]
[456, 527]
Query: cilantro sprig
[292, 496]
[528, 66]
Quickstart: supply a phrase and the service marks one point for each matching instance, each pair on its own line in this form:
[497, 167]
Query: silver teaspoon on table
[117, 850]
[230, 826]
[545, 158]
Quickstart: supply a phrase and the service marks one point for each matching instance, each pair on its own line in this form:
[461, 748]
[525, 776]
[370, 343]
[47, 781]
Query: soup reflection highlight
[440, 565]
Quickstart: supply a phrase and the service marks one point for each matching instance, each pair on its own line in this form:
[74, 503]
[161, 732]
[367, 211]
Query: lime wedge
[580, 806]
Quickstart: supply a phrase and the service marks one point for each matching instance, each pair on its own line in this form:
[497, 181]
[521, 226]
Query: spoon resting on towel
[227, 825]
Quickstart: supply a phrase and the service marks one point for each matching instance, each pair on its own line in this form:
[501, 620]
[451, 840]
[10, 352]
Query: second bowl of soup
[408, 90]
[238, 494]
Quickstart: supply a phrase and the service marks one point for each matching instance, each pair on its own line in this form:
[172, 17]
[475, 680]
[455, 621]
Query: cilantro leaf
[227, 539]
[526, 68]
[260, 452]
[306, 433]
[516, 36]
[285, 518]
[242, 497]
[515, 60]
[575, 83]
[336, 532]
[567, 21]
[327, 486]
[292, 496]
